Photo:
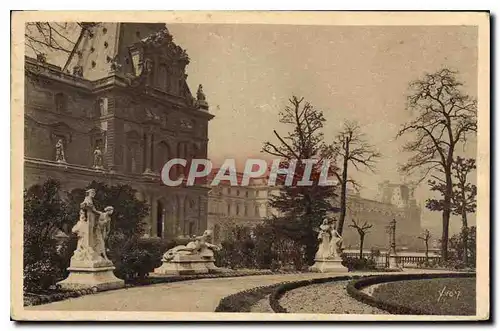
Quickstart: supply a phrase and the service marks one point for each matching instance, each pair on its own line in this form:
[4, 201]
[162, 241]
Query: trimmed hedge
[354, 287]
[244, 300]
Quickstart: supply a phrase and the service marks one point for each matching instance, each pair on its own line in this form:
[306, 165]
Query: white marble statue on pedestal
[330, 241]
[328, 257]
[89, 265]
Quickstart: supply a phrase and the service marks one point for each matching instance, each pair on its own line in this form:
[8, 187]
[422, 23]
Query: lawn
[441, 296]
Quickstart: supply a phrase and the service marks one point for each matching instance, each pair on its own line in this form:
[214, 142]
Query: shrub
[259, 247]
[352, 263]
[44, 215]
[135, 257]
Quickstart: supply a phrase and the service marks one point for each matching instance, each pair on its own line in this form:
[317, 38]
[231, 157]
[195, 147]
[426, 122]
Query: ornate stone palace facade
[243, 205]
[250, 205]
[395, 201]
[117, 108]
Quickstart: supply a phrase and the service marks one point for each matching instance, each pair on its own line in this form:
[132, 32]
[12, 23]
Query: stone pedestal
[186, 265]
[393, 264]
[328, 265]
[102, 278]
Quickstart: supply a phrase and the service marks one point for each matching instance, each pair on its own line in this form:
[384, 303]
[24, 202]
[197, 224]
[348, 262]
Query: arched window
[228, 209]
[246, 210]
[237, 210]
[257, 214]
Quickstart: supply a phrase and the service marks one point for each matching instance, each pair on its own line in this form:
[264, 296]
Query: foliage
[353, 263]
[301, 208]
[134, 258]
[463, 199]
[352, 148]
[457, 249]
[44, 215]
[243, 301]
[444, 118]
[46, 212]
[128, 210]
[260, 247]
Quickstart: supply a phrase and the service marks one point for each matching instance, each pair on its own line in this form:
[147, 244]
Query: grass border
[354, 290]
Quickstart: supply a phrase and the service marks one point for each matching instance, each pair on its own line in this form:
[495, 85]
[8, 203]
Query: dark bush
[134, 257]
[259, 247]
[352, 263]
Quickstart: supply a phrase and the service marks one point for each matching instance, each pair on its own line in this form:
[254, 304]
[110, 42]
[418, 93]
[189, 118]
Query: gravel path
[328, 298]
[262, 306]
[201, 295]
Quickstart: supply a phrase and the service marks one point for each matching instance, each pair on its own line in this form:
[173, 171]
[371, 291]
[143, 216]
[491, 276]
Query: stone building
[395, 201]
[120, 106]
[243, 205]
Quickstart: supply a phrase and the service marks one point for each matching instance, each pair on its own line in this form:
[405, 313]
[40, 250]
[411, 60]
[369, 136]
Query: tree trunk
[343, 193]
[465, 233]
[427, 251]
[361, 241]
[446, 214]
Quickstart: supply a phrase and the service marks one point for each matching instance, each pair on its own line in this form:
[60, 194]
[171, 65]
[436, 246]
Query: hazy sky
[357, 73]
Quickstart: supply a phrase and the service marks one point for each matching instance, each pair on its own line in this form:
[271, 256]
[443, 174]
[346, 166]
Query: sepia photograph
[250, 166]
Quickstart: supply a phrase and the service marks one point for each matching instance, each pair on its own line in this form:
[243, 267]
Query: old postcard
[250, 166]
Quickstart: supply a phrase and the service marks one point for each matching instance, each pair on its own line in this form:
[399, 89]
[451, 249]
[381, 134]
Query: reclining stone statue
[195, 257]
[201, 245]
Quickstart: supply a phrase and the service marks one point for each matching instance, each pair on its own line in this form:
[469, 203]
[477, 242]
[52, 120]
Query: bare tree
[42, 37]
[362, 231]
[444, 119]
[426, 236]
[351, 147]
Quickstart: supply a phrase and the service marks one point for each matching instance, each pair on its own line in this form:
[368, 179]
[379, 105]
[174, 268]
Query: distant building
[251, 205]
[395, 201]
[243, 205]
[120, 105]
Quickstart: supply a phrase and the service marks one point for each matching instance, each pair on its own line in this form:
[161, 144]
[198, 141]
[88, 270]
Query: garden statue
[335, 243]
[89, 265]
[83, 251]
[328, 255]
[60, 157]
[195, 257]
[324, 235]
[98, 164]
[102, 230]
[201, 245]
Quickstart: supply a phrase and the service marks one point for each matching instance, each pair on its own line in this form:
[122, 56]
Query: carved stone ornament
[200, 95]
[78, 71]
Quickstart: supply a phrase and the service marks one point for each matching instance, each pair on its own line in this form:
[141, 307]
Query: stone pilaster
[148, 148]
[180, 221]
